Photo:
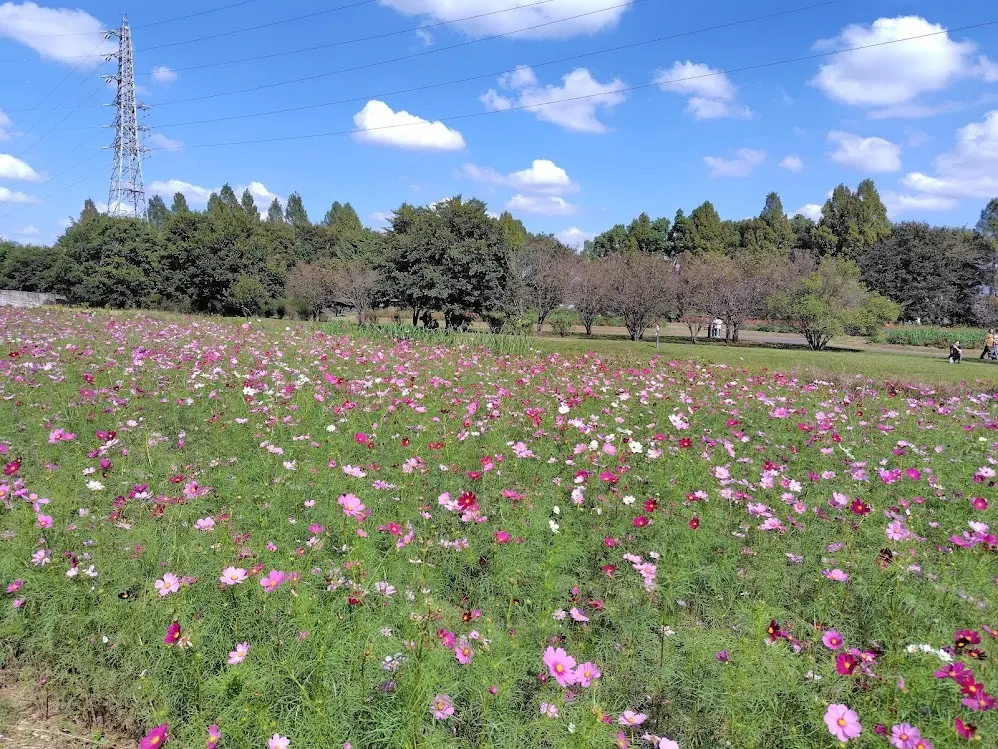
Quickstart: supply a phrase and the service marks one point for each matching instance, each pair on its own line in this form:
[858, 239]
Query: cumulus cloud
[969, 170]
[897, 204]
[746, 159]
[543, 205]
[67, 36]
[572, 105]
[865, 154]
[12, 167]
[163, 74]
[573, 237]
[194, 193]
[377, 123]
[895, 74]
[711, 92]
[160, 142]
[543, 176]
[811, 210]
[10, 196]
[597, 16]
[792, 163]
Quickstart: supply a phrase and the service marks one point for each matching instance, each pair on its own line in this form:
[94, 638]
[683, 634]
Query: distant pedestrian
[955, 353]
[989, 345]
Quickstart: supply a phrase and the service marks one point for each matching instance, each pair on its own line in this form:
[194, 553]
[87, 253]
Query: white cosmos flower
[554, 526]
[95, 486]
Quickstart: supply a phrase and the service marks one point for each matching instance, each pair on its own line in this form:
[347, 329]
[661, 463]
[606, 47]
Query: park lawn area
[265, 535]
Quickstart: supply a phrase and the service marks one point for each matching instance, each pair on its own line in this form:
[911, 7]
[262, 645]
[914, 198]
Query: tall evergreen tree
[157, 212]
[275, 214]
[179, 204]
[295, 213]
[707, 232]
[229, 199]
[249, 205]
[89, 210]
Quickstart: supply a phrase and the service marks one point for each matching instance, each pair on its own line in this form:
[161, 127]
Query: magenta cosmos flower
[586, 674]
[842, 722]
[832, 639]
[214, 735]
[156, 737]
[273, 581]
[560, 664]
[172, 633]
[441, 707]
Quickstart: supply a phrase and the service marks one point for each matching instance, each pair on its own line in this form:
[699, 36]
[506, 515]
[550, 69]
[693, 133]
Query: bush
[561, 323]
[914, 335]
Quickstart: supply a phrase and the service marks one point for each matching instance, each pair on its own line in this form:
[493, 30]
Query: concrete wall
[27, 299]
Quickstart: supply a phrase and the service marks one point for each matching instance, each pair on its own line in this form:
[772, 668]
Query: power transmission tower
[127, 196]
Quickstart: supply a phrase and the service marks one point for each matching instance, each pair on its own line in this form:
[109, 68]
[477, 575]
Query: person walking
[989, 345]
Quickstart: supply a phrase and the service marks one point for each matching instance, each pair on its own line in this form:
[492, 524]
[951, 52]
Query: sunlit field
[257, 536]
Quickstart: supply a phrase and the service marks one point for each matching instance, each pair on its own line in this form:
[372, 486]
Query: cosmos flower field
[259, 536]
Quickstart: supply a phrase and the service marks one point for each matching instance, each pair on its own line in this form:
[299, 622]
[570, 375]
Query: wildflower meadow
[250, 535]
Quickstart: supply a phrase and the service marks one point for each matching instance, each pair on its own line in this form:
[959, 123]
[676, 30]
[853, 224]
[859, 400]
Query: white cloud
[64, 223]
[894, 74]
[811, 210]
[162, 143]
[163, 74]
[381, 217]
[544, 205]
[12, 167]
[9, 196]
[572, 105]
[379, 124]
[711, 92]
[573, 237]
[262, 197]
[27, 231]
[865, 154]
[792, 162]
[597, 16]
[543, 176]
[425, 37]
[970, 170]
[746, 159]
[194, 193]
[897, 204]
[67, 36]
[5, 124]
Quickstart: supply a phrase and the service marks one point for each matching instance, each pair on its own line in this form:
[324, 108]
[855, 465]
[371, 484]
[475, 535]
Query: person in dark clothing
[955, 353]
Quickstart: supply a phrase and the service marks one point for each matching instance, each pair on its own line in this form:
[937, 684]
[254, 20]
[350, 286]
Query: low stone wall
[28, 299]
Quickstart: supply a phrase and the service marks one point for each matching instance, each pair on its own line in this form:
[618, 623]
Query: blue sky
[667, 130]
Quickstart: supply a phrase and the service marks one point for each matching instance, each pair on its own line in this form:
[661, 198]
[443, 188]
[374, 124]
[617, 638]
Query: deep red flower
[172, 633]
[685, 442]
[859, 507]
[964, 730]
[640, 521]
[966, 637]
[774, 631]
[650, 505]
[846, 663]
[609, 569]
[694, 523]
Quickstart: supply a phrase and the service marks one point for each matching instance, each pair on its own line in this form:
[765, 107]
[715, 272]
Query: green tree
[649, 236]
[342, 219]
[707, 234]
[179, 204]
[513, 228]
[248, 296]
[681, 234]
[295, 213]
[987, 229]
[610, 242]
[228, 197]
[822, 304]
[275, 214]
[857, 220]
[935, 273]
[89, 210]
[775, 218]
[157, 212]
[248, 205]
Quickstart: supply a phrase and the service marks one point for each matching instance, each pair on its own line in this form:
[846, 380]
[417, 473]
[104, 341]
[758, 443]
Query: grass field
[227, 534]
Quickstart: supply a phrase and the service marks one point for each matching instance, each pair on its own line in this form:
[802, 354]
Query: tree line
[452, 263]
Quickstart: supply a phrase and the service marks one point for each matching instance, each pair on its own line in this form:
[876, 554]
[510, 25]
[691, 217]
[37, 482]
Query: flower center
[841, 722]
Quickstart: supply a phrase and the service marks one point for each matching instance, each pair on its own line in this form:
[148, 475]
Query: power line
[498, 73]
[469, 115]
[70, 114]
[373, 37]
[387, 61]
[62, 189]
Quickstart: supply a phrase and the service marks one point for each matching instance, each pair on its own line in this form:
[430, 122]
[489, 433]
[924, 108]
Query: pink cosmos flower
[239, 654]
[204, 524]
[352, 506]
[664, 743]
[233, 576]
[214, 736]
[586, 674]
[560, 665]
[169, 583]
[631, 718]
[502, 537]
[548, 710]
[842, 722]
[273, 581]
[15, 586]
[463, 652]
[904, 736]
[278, 742]
[156, 737]
[44, 521]
[578, 615]
[832, 640]
[441, 707]
[836, 574]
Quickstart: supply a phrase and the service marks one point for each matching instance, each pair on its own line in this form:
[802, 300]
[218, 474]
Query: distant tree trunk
[415, 316]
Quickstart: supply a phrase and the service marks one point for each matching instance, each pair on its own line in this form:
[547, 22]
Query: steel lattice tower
[127, 196]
